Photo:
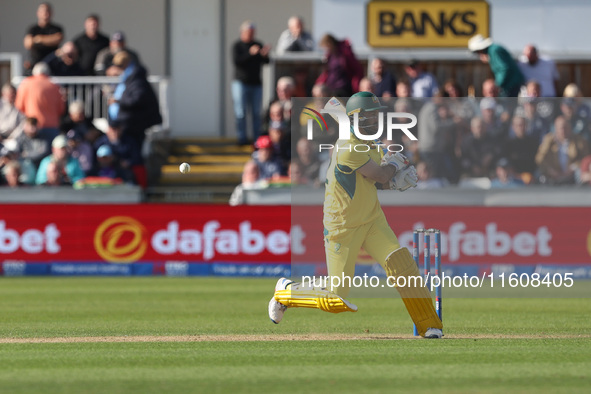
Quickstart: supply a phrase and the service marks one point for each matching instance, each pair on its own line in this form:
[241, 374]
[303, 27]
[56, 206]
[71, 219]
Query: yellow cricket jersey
[350, 199]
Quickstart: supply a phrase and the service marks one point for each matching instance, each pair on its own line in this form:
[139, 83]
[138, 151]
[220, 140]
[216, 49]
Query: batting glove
[396, 159]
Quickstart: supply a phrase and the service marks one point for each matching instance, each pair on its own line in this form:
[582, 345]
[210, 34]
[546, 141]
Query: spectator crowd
[523, 130]
[45, 141]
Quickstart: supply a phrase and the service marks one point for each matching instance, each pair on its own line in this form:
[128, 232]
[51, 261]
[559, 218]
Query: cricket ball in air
[184, 168]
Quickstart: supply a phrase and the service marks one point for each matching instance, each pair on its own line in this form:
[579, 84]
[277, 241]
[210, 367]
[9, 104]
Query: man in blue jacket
[134, 104]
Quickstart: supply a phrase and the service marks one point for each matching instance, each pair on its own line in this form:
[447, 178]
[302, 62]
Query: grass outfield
[72, 335]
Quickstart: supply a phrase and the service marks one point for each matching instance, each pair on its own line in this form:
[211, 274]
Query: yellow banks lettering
[425, 23]
[456, 23]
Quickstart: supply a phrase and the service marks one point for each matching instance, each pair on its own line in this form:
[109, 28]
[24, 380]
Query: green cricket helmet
[363, 101]
[367, 108]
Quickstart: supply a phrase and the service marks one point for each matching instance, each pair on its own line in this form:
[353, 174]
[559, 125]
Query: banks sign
[425, 23]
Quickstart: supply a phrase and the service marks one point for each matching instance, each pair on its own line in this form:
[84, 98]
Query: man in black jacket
[90, 43]
[134, 105]
[247, 91]
[64, 61]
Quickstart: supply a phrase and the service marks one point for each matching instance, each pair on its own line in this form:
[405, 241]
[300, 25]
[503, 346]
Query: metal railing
[11, 64]
[95, 92]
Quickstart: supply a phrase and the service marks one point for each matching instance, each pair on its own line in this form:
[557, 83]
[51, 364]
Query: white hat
[478, 43]
[59, 142]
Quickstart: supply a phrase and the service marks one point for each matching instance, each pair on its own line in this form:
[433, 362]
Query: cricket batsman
[353, 218]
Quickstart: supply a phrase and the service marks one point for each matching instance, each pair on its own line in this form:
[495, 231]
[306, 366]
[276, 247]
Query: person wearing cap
[90, 43]
[43, 37]
[108, 166]
[423, 84]
[60, 154]
[80, 150]
[269, 166]
[508, 77]
[123, 146]
[133, 105]
[103, 64]
[505, 178]
[248, 56]
[353, 219]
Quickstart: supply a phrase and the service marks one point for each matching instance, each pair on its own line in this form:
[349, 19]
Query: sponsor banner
[425, 23]
[174, 237]
[272, 270]
[146, 233]
[144, 269]
[473, 235]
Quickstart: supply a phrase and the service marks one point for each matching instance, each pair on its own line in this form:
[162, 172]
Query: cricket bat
[334, 104]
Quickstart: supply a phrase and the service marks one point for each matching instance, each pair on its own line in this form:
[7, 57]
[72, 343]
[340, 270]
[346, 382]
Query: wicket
[427, 233]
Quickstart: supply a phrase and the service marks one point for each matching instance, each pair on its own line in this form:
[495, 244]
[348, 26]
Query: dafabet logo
[121, 239]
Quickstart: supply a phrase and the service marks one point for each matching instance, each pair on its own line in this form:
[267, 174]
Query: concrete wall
[195, 58]
[143, 21]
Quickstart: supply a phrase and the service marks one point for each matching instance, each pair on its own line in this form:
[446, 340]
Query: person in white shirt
[541, 69]
[423, 84]
[295, 39]
[11, 119]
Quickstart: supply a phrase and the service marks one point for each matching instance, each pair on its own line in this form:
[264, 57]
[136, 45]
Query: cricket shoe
[433, 333]
[277, 309]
